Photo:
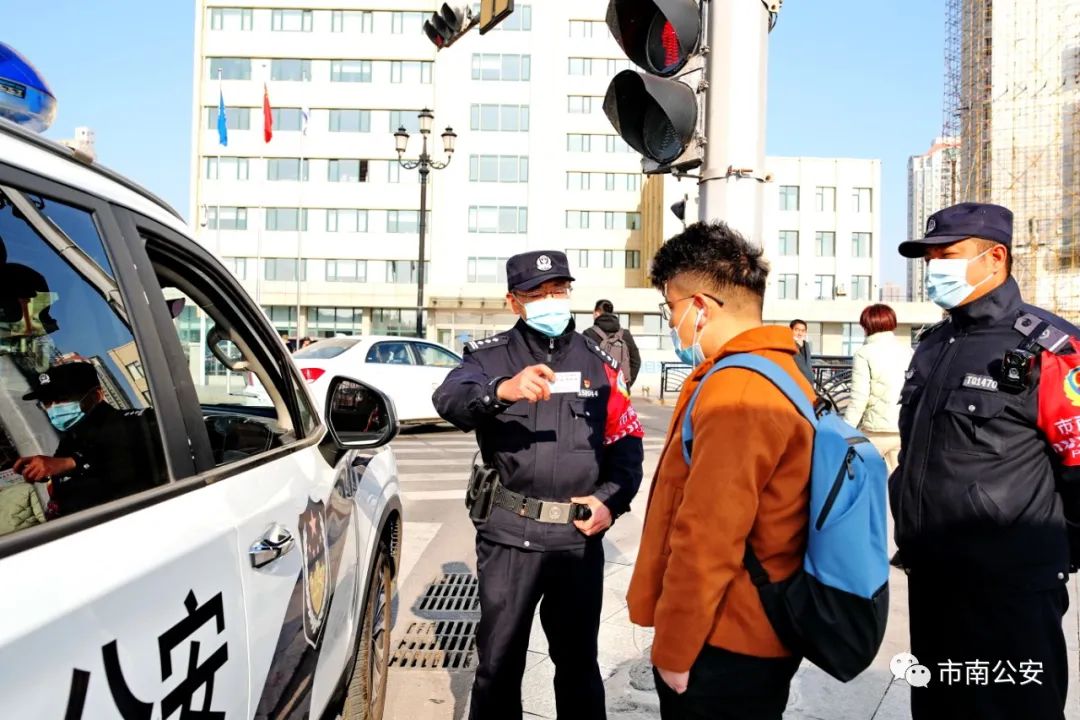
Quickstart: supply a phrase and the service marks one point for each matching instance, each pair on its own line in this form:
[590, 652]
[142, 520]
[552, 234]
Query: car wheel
[366, 695]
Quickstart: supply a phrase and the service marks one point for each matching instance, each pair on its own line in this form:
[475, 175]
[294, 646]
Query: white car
[170, 546]
[406, 369]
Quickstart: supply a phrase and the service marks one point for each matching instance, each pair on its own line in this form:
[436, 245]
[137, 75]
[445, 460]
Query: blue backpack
[833, 610]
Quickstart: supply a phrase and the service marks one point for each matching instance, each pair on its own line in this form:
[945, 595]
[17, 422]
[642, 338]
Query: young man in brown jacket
[715, 654]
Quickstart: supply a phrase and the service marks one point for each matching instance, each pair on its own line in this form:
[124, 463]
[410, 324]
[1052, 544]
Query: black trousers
[568, 585]
[954, 627]
[728, 686]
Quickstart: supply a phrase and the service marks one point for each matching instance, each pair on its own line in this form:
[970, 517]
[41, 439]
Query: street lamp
[426, 165]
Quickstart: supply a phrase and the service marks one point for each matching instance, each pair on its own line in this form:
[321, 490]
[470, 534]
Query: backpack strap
[600, 333]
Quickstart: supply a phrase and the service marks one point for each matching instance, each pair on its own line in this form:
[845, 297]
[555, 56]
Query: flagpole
[262, 220]
[217, 215]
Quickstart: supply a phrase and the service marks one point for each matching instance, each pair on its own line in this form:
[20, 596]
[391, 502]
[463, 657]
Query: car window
[435, 356]
[77, 423]
[390, 353]
[325, 349]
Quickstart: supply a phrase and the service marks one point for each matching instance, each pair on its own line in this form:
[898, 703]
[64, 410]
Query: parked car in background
[406, 369]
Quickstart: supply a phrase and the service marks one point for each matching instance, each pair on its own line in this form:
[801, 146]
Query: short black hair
[604, 306]
[797, 321]
[716, 254]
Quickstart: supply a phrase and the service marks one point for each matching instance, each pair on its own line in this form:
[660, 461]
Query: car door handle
[276, 542]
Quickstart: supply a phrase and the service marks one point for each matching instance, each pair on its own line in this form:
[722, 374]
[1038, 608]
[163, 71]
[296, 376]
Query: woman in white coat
[877, 375]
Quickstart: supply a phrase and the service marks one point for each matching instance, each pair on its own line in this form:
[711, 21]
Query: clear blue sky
[848, 78]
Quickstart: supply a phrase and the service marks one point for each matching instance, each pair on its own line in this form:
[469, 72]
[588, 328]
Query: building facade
[932, 185]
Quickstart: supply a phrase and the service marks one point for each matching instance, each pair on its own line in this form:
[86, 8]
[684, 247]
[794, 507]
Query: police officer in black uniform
[103, 453]
[562, 456]
[978, 494]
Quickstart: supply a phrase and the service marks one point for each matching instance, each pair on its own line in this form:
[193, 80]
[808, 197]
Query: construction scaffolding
[1012, 93]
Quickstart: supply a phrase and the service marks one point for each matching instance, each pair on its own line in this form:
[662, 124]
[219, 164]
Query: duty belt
[544, 511]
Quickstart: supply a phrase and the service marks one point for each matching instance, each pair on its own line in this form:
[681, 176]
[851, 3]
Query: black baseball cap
[530, 270]
[63, 381]
[960, 222]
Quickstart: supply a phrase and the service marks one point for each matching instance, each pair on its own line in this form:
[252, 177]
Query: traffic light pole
[732, 177]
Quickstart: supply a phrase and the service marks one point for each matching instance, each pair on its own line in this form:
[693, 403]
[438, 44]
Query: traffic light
[448, 24]
[493, 12]
[657, 112]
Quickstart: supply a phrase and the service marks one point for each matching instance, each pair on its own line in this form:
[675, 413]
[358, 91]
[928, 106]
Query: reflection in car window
[325, 349]
[434, 356]
[390, 353]
[77, 426]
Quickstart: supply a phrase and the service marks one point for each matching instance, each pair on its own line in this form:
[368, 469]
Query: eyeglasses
[559, 293]
[666, 307]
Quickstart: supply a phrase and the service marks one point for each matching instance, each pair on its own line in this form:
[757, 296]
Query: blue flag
[222, 123]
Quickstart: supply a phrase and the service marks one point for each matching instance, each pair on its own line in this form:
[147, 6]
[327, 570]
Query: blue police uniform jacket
[550, 450]
[975, 496]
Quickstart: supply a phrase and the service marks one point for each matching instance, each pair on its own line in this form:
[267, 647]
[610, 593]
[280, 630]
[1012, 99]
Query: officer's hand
[532, 384]
[676, 681]
[41, 467]
[601, 516]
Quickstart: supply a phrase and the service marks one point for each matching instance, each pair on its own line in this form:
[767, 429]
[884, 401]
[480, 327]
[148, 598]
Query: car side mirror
[225, 350]
[359, 416]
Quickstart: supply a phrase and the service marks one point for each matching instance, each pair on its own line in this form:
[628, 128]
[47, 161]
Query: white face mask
[946, 280]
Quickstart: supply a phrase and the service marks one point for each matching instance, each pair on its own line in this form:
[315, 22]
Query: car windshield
[325, 349]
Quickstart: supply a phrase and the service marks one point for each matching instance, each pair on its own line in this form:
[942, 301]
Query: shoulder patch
[1054, 336]
[608, 360]
[487, 343]
[929, 329]
[134, 413]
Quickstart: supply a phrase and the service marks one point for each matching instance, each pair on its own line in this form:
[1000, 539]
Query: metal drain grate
[452, 594]
[444, 644]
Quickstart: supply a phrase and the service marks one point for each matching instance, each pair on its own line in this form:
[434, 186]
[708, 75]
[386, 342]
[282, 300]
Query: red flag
[268, 117]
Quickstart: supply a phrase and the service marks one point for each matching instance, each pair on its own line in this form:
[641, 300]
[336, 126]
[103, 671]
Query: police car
[244, 566]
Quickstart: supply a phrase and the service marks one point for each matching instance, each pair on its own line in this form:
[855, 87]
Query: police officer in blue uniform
[562, 454]
[979, 499]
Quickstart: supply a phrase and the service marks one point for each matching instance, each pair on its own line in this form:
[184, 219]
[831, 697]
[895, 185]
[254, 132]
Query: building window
[346, 270]
[230, 19]
[330, 321]
[410, 72]
[862, 200]
[500, 67]
[576, 142]
[609, 259]
[580, 66]
[406, 23]
[395, 172]
[227, 168]
[825, 244]
[286, 169]
[577, 219]
[491, 219]
[498, 168]
[787, 287]
[393, 321]
[617, 65]
[615, 144]
[282, 317]
[237, 266]
[283, 269]
[290, 20]
[853, 337]
[486, 269]
[588, 28]
[633, 221]
[824, 287]
[579, 104]
[861, 245]
[826, 199]
[578, 180]
[346, 220]
[350, 120]
[286, 219]
[789, 197]
[633, 182]
[236, 118]
[352, 21]
[583, 258]
[519, 21]
[358, 71]
[504, 118]
[290, 70]
[347, 170]
[860, 287]
[405, 221]
[633, 259]
[226, 218]
[230, 68]
[789, 242]
[408, 119]
[403, 272]
[287, 119]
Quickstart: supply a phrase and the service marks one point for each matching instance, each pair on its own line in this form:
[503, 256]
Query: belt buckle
[554, 513]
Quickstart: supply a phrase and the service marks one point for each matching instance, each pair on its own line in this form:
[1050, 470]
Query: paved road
[438, 539]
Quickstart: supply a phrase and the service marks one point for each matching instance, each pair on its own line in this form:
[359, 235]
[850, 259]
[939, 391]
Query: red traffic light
[659, 36]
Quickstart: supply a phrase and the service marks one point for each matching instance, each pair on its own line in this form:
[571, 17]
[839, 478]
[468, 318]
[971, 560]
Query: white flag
[305, 115]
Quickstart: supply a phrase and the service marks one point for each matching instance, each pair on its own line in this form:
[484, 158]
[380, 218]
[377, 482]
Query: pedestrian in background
[715, 653]
[614, 339]
[803, 358]
[877, 376]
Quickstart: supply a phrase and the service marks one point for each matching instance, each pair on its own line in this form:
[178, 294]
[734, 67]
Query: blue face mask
[692, 355]
[946, 280]
[549, 316]
[65, 415]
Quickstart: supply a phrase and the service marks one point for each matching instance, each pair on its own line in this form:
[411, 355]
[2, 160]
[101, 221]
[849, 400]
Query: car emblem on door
[316, 568]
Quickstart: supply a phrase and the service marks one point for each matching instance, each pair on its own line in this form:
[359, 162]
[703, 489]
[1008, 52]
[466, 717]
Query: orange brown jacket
[749, 476]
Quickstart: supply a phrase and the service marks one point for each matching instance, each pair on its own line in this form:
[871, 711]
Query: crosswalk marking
[435, 495]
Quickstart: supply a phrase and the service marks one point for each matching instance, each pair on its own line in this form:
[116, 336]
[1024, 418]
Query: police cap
[959, 222]
[530, 270]
[64, 381]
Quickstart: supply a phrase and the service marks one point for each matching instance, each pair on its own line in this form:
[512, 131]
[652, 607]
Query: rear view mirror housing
[359, 417]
